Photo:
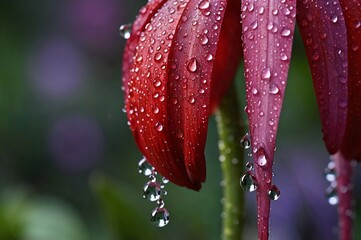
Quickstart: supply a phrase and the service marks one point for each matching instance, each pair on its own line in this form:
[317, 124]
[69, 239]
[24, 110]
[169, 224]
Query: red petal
[267, 34]
[351, 146]
[143, 18]
[323, 31]
[268, 28]
[169, 86]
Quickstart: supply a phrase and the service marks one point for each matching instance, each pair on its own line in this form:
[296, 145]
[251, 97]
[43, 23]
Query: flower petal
[351, 146]
[169, 85]
[142, 19]
[268, 28]
[323, 31]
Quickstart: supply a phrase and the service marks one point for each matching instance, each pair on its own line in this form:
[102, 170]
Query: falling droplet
[274, 193]
[266, 73]
[125, 31]
[246, 141]
[152, 191]
[249, 166]
[145, 168]
[248, 182]
[159, 217]
[330, 172]
[331, 195]
[192, 65]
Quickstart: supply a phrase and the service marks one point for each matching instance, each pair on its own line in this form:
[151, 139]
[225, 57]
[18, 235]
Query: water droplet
[331, 195]
[158, 127]
[266, 73]
[209, 57]
[157, 83]
[249, 166]
[285, 32]
[262, 160]
[334, 19]
[248, 182]
[357, 23]
[203, 5]
[152, 191]
[284, 57]
[274, 193]
[203, 39]
[273, 89]
[158, 56]
[165, 180]
[330, 172]
[192, 65]
[145, 168]
[160, 217]
[125, 31]
[254, 91]
[246, 141]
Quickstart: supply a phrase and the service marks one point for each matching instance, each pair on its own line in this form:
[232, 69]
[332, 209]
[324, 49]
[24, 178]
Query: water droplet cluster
[125, 31]
[248, 180]
[330, 176]
[153, 191]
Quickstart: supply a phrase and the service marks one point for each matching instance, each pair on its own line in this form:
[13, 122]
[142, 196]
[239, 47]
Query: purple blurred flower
[95, 22]
[56, 69]
[76, 143]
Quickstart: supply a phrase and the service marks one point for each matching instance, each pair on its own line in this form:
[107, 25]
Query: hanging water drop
[248, 182]
[152, 191]
[160, 217]
[125, 31]
[145, 168]
[246, 141]
[330, 172]
[331, 195]
[249, 166]
[274, 193]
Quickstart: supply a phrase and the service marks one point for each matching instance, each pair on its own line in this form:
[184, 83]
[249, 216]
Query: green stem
[230, 132]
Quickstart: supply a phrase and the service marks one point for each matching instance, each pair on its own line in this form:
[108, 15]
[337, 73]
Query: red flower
[179, 61]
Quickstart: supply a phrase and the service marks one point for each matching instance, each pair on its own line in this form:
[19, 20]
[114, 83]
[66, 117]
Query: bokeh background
[68, 164]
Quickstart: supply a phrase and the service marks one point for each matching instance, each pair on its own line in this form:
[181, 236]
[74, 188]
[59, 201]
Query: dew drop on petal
[266, 73]
[248, 182]
[203, 5]
[334, 19]
[158, 56]
[274, 193]
[159, 217]
[273, 89]
[158, 127]
[285, 32]
[192, 65]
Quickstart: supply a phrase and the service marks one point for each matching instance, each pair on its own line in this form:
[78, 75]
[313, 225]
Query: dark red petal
[323, 31]
[351, 147]
[192, 77]
[169, 87]
[268, 28]
[229, 52]
[142, 19]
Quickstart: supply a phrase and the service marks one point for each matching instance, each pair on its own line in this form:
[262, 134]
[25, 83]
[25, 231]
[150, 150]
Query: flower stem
[228, 119]
[344, 172]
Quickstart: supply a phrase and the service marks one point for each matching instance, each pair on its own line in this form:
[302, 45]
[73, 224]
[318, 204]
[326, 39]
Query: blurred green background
[68, 163]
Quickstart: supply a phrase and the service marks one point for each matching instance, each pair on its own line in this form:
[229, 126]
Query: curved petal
[351, 146]
[323, 32]
[169, 85]
[268, 28]
[142, 19]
